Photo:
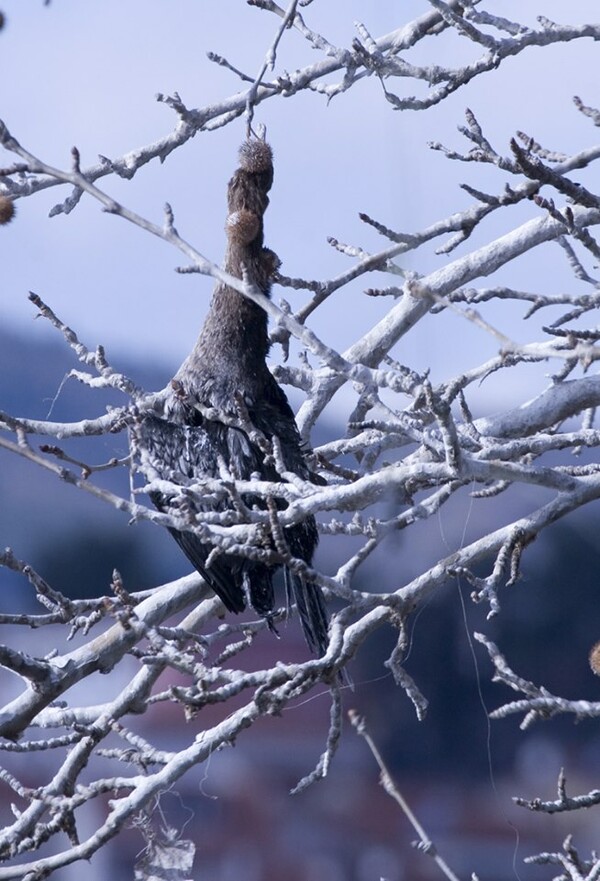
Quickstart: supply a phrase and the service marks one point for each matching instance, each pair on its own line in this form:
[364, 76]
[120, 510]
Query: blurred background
[86, 75]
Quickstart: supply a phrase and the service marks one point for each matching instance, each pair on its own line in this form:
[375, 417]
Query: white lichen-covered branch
[410, 443]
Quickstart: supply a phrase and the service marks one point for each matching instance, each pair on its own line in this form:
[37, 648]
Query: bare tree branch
[412, 443]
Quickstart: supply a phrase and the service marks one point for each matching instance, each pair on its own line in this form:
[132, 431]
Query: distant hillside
[73, 539]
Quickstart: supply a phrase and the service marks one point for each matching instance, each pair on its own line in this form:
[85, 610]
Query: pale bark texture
[409, 441]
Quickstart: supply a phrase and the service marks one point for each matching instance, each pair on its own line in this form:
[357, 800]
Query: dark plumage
[227, 371]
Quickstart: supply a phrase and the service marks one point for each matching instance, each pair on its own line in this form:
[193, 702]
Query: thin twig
[425, 844]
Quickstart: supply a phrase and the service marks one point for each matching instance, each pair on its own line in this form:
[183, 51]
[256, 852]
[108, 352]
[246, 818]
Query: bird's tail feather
[311, 609]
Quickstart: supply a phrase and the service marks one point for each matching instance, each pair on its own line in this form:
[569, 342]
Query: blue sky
[87, 74]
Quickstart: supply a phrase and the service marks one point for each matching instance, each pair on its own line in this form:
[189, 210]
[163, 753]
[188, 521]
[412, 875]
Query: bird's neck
[233, 345]
[234, 332]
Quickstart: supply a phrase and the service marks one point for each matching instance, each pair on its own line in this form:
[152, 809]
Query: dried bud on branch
[7, 209]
